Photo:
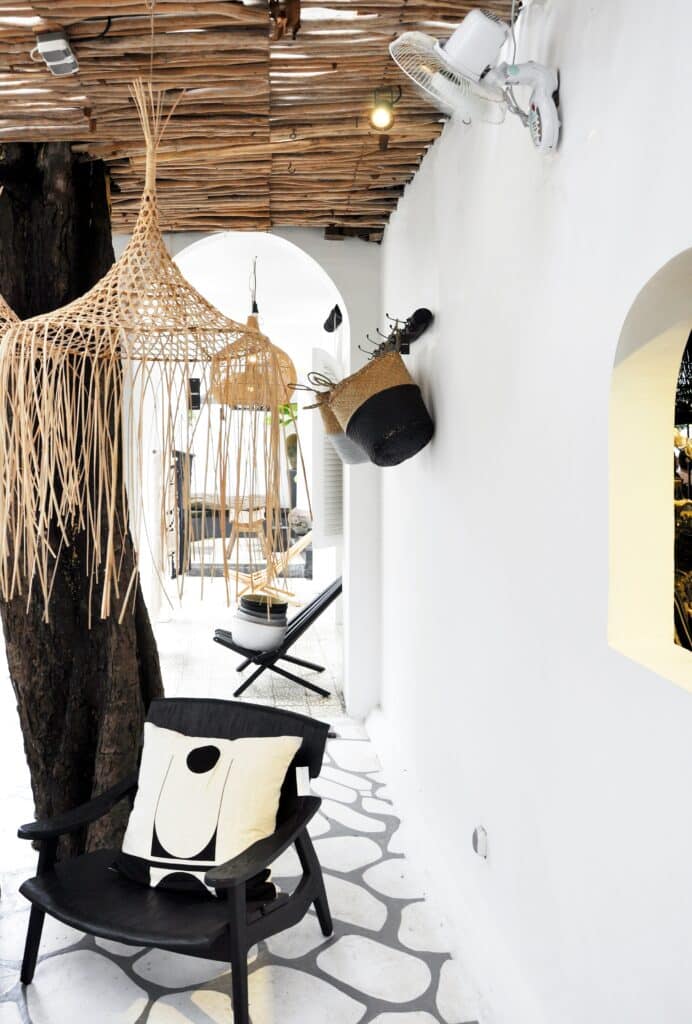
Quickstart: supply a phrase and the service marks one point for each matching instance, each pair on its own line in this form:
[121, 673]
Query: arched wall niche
[642, 528]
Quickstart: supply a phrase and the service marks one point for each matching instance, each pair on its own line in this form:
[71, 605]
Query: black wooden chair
[268, 659]
[88, 894]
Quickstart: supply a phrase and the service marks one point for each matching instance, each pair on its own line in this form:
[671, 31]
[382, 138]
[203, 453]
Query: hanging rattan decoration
[87, 388]
[7, 315]
[251, 371]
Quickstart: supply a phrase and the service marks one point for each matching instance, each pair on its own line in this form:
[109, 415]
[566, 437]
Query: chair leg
[239, 987]
[324, 914]
[301, 682]
[311, 867]
[238, 955]
[249, 681]
[243, 665]
[301, 662]
[33, 940]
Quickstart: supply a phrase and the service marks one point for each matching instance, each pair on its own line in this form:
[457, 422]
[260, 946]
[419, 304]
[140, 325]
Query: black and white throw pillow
[200, 802]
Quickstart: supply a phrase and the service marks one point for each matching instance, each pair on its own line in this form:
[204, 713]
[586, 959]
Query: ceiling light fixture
[383, 103]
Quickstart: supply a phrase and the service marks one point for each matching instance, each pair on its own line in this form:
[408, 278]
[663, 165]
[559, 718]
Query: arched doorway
[295, 297]
[642, 524]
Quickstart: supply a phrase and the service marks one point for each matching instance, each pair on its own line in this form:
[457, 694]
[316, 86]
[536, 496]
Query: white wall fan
[463, 77]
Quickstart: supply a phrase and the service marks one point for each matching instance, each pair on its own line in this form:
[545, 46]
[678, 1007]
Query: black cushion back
[232, 720]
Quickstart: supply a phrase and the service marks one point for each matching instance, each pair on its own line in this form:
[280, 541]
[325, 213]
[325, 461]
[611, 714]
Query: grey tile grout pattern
[383, 943]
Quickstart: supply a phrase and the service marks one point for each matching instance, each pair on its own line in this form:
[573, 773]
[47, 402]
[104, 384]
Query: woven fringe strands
[90, 387]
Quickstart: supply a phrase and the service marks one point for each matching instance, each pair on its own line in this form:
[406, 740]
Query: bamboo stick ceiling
[270, 132]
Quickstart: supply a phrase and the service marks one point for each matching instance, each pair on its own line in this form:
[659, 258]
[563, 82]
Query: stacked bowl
[259, 623]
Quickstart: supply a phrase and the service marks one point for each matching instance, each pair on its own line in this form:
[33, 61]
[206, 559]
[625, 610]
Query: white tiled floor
[386, 962]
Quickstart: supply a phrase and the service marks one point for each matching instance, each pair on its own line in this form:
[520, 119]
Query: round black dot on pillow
[203, 759]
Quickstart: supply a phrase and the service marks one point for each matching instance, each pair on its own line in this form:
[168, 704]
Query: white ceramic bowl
[257, 636]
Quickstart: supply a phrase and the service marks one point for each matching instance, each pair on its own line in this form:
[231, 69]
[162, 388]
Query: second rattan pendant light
[83, 387]
[253, 382]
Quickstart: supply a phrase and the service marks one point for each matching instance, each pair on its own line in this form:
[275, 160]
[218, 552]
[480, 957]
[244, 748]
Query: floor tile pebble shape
[83, 986]
[358, 782]
[287, 865]
[417, 1017]
[280, 993]
[354, 905]
[318, 826]
[354, 755]
[297, 941]
[8, 979]
[373, 806]
[393, 878]
[206, 1007]
[350, 818]
[119, 948]
[333, 791]
[175, 970]
[421, 931]
[376, 969]
[347, 853]
[454, 1005]
[56, 936]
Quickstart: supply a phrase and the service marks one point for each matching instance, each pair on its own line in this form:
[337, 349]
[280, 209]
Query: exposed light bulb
[382, 116]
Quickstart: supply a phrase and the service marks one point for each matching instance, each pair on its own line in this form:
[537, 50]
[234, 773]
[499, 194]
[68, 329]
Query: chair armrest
[73, 820]
[261, 854]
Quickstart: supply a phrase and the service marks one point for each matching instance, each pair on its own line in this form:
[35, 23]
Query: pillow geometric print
[199, 802]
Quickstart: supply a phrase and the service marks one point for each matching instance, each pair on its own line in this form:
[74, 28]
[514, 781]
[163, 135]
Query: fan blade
[421, 58]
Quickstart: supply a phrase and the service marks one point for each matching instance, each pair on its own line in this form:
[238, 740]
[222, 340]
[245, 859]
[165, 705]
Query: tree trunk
[81, 694]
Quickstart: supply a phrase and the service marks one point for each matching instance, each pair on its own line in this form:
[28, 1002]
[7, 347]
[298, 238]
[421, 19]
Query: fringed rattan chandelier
[7, 315]
[89, 387]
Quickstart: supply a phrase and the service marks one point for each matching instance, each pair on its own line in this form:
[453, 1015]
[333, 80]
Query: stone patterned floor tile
[346, 853]
[333, 791]
[393, 878]
[174, 970]
[296, 942]
[376, 969]
[318, 826]
[83, 986]
[207, 1007]
[56, 936]
[373, 806]
[119, 948]
[352, 819]
[359, 782]
[455, 1005]
[417, 1017]
[354, 905]
[9, 1014]
[421, 930]
[283, 994]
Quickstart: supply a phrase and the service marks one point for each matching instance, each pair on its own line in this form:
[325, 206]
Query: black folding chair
[86, 893]
[268, 659]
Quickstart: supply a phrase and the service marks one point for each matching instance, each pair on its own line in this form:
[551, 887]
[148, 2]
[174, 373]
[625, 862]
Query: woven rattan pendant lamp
[253, 381]
[81, 383]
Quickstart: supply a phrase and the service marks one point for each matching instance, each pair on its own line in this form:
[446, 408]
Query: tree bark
[82, 694]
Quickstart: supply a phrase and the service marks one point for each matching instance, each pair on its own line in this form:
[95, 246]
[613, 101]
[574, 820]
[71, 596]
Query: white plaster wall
[354, 267]
[502, 703]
